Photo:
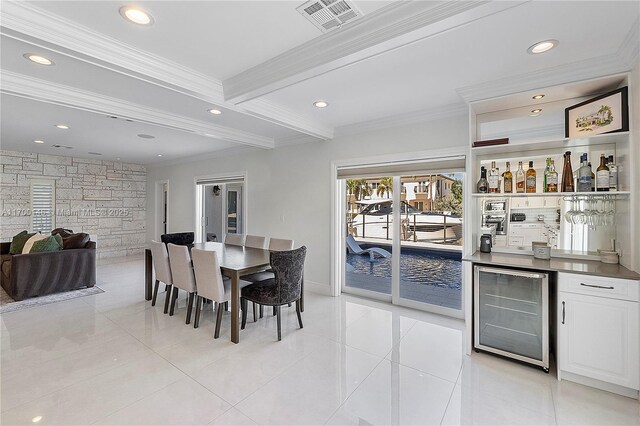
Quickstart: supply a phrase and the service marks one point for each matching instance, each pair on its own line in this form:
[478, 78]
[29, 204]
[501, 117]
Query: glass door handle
[563, 312]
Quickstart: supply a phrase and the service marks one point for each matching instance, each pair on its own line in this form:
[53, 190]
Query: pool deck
[434, 295]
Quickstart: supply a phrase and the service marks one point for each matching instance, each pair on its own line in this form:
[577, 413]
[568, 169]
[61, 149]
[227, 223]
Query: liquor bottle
[584, 175]
[520, 178]
[552, 178]
[493, 178]
[602, 175]
[508, 179]
[546, 175]
[567, 174]
[499, 179]
[613, 174]
[531, 178]
[482, 183]
[593, 177]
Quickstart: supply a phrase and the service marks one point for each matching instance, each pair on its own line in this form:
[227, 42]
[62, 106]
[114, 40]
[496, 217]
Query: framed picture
[608, 113]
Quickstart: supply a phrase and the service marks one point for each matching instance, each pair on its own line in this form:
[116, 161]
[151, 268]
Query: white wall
[289, 188]
[634, 118]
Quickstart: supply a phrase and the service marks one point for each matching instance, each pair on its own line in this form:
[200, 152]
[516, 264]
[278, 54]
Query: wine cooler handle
[598, 286]
[563, 312]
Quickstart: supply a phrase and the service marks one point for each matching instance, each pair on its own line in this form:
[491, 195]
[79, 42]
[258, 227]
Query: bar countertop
[574, 266]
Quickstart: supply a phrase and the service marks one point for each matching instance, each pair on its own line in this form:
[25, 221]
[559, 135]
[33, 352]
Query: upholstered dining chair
[211, 285]
[182, 274]
[178, 238]
[235, 239]
[163, 272]
[284, 288]
[255, 241]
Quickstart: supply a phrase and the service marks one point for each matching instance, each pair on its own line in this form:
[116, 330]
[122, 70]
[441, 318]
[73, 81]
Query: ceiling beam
[387, 29]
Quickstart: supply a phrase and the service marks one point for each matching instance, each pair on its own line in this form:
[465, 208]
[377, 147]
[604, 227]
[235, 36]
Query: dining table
[235, 261]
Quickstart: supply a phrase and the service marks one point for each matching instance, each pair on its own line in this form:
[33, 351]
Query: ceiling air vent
[328, 15]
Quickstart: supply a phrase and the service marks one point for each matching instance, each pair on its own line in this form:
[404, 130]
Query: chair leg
[243, 303]
[298, 312]
[261, 311]
[219, 312]
[190, 307]
[278, 315]
[173, 301]
[226, 306]
[155, 293]
[274, 311]
[196, 321]
[254, 312]
[167, 297]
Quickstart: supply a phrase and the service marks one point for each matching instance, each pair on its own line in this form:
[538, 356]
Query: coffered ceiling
[262, 64]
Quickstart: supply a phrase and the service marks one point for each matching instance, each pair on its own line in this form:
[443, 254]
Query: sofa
[37, 274]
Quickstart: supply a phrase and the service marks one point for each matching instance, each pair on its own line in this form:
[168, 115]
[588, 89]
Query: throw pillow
[18, 241]
[75, 241]
[59, 240]
[27, 246]
[64, 233]
[46, 244]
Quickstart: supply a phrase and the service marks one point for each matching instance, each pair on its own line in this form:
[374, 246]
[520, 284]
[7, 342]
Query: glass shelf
[550, 194]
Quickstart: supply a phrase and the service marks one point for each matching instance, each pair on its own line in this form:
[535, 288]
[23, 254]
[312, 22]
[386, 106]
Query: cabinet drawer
[613, 288]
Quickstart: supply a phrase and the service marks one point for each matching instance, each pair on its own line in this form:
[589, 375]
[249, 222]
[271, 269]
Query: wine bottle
[508, 179]
[531, 178]
[567, 174]
[602, 175]
[520, 178]
[483, 186]
[546, 174]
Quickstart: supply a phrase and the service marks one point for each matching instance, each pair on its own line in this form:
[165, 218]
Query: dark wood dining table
[235, 261]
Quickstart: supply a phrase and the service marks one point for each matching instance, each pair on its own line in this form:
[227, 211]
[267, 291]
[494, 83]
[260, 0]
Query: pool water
[427, 267]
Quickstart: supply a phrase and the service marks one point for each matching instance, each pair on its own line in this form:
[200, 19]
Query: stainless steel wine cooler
[511, 314]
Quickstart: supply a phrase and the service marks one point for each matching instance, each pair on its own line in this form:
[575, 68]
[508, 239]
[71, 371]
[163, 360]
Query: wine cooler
[511, 314]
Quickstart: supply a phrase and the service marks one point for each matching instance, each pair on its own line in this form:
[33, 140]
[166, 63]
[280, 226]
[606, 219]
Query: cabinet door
[598, 338]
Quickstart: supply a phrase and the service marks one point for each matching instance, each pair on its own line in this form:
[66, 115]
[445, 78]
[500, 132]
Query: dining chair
[182, 274]
[234, 239]
[254, 241]
[211, 285]
[178, 238]
[284, 288]
[163, 272]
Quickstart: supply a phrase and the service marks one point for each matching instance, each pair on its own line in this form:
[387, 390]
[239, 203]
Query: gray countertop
[587, 267]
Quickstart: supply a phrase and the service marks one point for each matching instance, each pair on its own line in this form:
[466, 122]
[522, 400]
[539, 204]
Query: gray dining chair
[255, 241]
[182, 274]
[211, 285]
[284, 288]
[234, 239]
[163, 272]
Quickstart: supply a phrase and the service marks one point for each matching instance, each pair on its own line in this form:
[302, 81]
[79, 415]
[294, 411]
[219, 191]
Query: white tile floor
[112, 359]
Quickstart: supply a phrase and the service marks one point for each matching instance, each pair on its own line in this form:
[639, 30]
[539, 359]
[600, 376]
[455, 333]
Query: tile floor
[112, 359]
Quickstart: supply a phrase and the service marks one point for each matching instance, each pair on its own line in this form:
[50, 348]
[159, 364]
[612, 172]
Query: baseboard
[315, 287]
[609, 387]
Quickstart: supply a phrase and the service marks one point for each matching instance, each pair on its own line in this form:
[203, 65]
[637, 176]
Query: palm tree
[385, 187]
[353, 188]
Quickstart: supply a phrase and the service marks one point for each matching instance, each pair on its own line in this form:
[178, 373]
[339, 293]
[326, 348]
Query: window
[43, 204]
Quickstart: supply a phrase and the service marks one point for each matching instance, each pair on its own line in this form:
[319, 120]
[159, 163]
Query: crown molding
[44, 91]
[386, 29]
[275, 113]
[229, 152]
[411, 118]
[614, 63]
[294, 140]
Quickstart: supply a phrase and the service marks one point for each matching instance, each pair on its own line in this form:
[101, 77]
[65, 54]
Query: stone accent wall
[106, 199]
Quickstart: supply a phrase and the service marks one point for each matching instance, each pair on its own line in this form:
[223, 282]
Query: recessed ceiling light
[38, 141]
[145, 136]
[40, 60]
[536, 111]
[320, 104]
[214, 111]
[62, 126]
[536, 97]
[542, 46]
[136, 15]
[36, 419]
[118, 158]
[159, 155]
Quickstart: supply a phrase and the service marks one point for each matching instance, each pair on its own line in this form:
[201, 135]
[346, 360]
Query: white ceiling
[263, 65]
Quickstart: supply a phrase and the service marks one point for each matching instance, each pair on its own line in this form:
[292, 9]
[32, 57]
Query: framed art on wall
[608, 113]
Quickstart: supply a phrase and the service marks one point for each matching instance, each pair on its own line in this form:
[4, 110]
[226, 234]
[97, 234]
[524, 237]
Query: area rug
[7, 304]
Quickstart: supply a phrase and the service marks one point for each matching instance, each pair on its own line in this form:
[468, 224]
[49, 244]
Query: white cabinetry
[598, 331]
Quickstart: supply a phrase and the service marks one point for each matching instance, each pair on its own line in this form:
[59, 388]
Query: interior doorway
[220, 207]
[162, 211]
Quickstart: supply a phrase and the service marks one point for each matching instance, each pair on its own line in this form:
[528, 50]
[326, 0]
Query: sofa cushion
[29, 244]
[75, 241]
[18, 242]
[47, 244]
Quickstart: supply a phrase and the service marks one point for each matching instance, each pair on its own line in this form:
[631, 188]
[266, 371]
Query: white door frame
[159, 186]
[338, 236]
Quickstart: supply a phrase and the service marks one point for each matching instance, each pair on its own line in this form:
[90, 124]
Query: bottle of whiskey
[493, 178]
[520, 178]
[508, 179]
[584, 175]
[531, 178]
[552, 178]
[602, 175]
[613, 174]
[483, 186]
[567, 174]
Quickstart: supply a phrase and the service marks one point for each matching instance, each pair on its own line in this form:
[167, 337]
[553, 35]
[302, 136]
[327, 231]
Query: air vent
[62, 146]
[328, 15]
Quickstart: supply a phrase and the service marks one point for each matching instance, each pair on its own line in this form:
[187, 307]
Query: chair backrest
[181, 269]
[178, 238]
[277, 244]
[353, 246]
[288, 267]
[161, 262]
[208, 276]
[234, 239]
[255, 242]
